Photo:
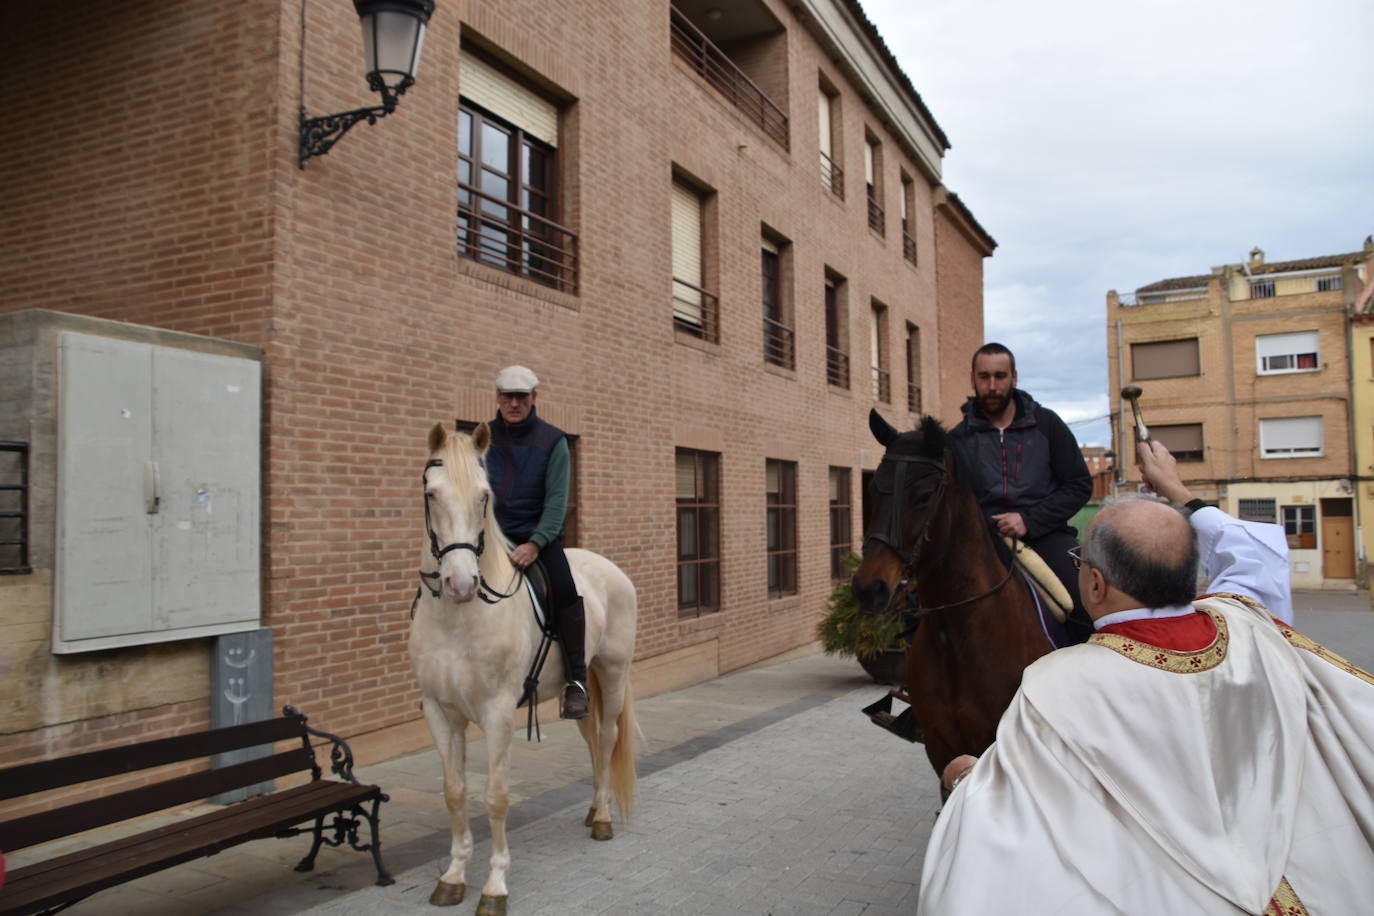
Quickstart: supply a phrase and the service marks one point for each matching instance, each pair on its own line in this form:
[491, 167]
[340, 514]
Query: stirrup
[562, 708]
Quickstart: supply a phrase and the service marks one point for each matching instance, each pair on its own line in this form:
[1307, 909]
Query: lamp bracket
[318, 135]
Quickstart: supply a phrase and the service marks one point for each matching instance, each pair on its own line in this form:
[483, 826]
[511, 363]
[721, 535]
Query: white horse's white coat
[471, 658]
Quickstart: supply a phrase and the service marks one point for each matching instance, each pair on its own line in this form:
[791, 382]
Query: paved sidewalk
[763, 791]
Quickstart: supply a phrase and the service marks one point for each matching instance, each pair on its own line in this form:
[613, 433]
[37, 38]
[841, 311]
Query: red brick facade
[155, 181]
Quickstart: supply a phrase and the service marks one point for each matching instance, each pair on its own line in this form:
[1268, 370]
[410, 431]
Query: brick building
[1247, 378]
[718, 233]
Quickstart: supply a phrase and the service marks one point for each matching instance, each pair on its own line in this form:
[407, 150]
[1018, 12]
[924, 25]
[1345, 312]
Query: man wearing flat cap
[528, 467]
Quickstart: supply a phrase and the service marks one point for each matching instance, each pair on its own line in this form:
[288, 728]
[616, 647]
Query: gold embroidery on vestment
[1285, 902]
[1175, 660]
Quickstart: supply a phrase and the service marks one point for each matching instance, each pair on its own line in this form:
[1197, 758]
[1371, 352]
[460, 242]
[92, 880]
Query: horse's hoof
[489, 905]
[601, 830]
[591, 817]
[448, 894]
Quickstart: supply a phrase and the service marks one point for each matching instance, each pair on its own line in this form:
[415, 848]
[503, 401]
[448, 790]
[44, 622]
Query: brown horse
[930, 551]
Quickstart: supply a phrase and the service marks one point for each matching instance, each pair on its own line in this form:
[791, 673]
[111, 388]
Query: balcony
[778, 344]
[716, 67]
[832, 176]
[837, 367]
[882, 385]
[696, 311]
[493, 231]
[875, 216]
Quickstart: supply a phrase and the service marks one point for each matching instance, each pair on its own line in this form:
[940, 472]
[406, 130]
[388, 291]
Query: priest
[1194, 756]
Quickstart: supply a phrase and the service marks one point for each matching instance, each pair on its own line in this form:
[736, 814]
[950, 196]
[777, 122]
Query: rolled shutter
[483, 84]
[686, 217]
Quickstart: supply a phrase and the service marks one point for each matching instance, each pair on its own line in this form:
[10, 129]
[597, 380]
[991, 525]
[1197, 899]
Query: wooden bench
[58, 882]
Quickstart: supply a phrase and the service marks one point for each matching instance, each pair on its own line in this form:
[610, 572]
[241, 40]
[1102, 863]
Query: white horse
[472, 641]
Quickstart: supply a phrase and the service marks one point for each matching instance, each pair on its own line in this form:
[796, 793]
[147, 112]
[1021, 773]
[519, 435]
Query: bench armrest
[340, 755]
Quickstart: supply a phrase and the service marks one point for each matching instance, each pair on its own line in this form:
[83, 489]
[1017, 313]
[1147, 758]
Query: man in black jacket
[1030, 472]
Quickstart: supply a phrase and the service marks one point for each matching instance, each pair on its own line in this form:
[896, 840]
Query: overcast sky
[1106, 145]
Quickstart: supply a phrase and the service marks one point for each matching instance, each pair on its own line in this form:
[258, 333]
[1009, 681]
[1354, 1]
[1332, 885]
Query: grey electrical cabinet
[158, 518]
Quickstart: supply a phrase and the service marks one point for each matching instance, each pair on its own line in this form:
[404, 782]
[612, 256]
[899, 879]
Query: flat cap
[516, 379]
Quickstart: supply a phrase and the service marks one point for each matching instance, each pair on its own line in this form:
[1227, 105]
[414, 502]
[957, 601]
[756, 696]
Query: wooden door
[1338, 539]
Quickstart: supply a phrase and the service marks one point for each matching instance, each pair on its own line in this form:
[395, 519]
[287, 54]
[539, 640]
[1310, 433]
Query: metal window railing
[882, 385]
[908, 247]
[832, 176]
[498, 233]
[778, 344]
[837, 367]
[875, 216]
[913, 397]
[696, 311]
[14, 509]
[716, 67]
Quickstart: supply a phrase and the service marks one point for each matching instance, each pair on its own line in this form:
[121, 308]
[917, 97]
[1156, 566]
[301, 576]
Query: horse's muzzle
[872, 597]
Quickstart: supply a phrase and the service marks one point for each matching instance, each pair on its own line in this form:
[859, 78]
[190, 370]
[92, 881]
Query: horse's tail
[623, 779]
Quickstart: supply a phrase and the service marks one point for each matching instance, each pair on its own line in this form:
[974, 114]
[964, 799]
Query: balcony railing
[716, 67]
[837, 367]
[882, 385]
[875, 216]
[832, 176]
[778, 344]
[696, 311]
[908, 247]
[913, 398]
[498, 233]
[1180, 295]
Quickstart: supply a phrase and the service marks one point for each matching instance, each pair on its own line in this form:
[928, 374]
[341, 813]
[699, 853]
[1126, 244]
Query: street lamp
[393, 36]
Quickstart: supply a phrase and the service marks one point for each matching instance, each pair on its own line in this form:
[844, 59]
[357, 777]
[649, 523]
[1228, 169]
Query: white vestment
[1129, 779]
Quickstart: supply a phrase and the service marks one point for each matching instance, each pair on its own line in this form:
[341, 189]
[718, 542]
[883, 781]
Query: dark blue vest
[517, 463]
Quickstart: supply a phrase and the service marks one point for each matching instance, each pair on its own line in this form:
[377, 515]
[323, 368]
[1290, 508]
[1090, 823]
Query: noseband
[484, 591]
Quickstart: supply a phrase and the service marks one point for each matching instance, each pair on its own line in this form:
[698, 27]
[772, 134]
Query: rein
[488, 594]
[906, 586]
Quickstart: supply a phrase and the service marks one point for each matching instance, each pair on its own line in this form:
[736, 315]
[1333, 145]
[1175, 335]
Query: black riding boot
[572, 633]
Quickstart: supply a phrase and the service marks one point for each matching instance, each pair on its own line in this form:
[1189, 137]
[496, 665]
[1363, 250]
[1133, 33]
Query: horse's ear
[437, 435]
[882, 430]
[481, 438]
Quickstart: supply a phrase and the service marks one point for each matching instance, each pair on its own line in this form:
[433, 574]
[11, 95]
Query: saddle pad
[1046, 582]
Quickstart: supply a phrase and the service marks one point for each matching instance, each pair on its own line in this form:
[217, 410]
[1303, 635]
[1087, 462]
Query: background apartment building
[1246, 374]
[717, 232]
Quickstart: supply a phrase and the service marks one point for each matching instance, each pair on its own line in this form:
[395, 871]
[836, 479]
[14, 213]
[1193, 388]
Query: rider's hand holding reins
[1010, 523]
[525, 554]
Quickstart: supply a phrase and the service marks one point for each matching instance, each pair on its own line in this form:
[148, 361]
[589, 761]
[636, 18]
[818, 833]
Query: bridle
[892, 537]
[484, 591]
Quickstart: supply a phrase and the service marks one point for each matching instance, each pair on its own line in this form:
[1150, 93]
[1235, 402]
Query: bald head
[1145, 549]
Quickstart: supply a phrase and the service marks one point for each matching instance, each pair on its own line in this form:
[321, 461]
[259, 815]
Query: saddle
[1052, 592]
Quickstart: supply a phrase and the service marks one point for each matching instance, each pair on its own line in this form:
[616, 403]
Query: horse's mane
[930, 439]
[466, 473]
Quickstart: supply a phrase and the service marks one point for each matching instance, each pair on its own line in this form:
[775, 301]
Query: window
[698, 532]
[1165, 359]
[836, 315]
[913, 368]
[841, 522]
[1277, 354]
[1328, 284]
[778, 336]
[1183, 440]
[1258, 510]
[694, 308]
[507, 174]
[782, 527]
[873, 171]
[1291, 437]
[832, 176]
[1261, 289]
[908, 218]
[14, 508]
[1300, 525]
[877, 354]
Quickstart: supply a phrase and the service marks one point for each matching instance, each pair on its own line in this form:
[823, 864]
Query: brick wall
[374, 328]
